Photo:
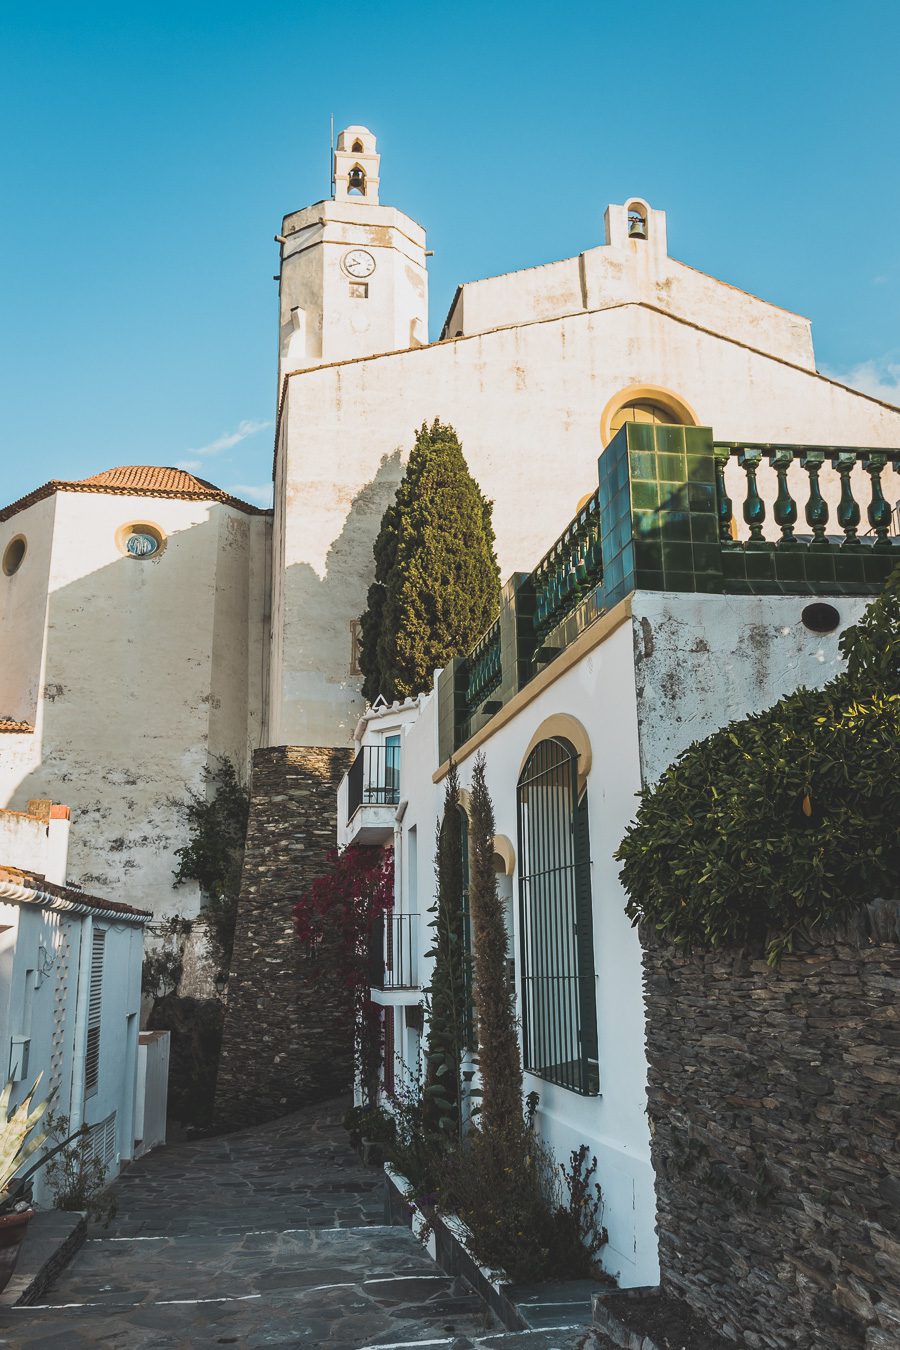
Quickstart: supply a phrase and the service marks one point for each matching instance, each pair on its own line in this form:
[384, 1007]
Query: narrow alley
[272, 1236]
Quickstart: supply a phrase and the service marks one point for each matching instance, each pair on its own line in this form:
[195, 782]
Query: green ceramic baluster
[785, 509]
[754, 506]
[816, 507]
[848, 513]
[722, 497]
[879, 512]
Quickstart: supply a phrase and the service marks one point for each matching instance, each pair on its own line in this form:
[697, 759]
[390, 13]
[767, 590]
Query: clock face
[358, 263]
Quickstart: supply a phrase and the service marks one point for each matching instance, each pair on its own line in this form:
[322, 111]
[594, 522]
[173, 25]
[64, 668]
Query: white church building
[153, 625]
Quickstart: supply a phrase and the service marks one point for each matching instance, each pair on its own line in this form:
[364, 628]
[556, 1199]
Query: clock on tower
[353, 277]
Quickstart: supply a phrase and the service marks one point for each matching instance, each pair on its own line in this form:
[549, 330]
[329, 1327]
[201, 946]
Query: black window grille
[559, 999]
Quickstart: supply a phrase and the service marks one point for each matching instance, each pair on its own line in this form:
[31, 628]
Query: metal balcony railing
[393, 953]
[374, 778]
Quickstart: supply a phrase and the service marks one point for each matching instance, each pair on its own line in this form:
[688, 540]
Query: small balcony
[394, 952]
[373, 793]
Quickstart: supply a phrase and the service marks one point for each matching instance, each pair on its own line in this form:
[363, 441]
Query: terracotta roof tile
[70, 893]
[150, 478]
[138, 480]
[9, 724]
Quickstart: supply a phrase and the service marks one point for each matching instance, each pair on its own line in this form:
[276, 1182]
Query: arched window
[559, 1000]
[356, 180]
[356, 148]
[643, 410]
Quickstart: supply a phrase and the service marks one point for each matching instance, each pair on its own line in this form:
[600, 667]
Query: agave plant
[15, 1145]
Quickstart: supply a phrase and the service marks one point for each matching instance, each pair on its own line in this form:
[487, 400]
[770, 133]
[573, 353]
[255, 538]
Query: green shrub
[785, 821]
[214, 854]
[437, 584]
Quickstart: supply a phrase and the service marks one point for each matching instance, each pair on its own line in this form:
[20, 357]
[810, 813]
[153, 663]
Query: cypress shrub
[437, 584]
[495, 1006]
[442, 1098]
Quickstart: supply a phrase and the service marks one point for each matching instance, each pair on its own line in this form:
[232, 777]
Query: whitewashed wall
[148, 672]
[527, 402]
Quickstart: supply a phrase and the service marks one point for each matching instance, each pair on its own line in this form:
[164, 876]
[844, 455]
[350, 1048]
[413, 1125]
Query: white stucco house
[70, 991]
[646, 626]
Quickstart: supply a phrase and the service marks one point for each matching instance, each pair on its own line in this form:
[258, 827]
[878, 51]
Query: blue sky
[151, 150]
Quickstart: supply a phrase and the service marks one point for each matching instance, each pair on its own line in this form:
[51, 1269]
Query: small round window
[13, 555]
[140, 540]
[141, 545]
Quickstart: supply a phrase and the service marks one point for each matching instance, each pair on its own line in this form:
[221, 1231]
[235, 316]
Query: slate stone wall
[774, 1101]
[287, 1039]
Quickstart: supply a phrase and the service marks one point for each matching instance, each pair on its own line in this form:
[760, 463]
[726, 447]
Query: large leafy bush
[783, 822]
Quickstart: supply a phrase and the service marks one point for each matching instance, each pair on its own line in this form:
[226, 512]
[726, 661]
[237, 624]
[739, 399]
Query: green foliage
[18, 1142]
[535, 1220]
[370, 1122]
[446, 994]
[77, 1179]
[215, 852]
[783, 822]
[494, 995]
[437, 585]
[162, 968]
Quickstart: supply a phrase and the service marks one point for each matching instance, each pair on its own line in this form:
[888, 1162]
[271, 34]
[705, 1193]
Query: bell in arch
[637, 224]
[356, 180]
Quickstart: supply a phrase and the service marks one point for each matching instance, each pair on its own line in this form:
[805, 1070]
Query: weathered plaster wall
[23, 611]
[704, 660]
[774, 1100]
[288, 1036]
[527, 403]
[152, 670]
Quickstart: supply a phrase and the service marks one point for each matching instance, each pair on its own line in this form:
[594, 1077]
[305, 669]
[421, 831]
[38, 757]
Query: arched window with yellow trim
[559, 999]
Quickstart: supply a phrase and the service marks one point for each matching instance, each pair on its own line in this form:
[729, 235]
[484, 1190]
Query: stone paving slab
[270, 1237]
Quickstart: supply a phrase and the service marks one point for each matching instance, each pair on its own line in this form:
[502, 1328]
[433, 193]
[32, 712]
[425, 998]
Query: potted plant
[15, 1149]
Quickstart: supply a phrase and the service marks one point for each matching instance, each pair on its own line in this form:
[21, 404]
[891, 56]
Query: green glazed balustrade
[484, 670]
[818, 520]
[570, 571]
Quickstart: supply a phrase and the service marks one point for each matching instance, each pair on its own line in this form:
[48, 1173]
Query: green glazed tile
[677, 557]
[670, 440]
[648, 554]
[698, 440]
[704, 528]
[675, 525]
[671, 468]
[639, 435]
[645, 495]
[643, 465]
[701, 497]
[681, 581]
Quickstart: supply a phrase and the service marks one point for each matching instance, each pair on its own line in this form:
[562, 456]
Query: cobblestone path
[269, 1237]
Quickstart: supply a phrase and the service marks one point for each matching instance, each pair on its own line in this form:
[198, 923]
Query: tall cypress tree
[437, 584]
[445, 1045]
[495, 1004]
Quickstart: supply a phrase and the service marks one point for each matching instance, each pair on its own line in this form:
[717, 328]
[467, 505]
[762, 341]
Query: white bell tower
[353, 280]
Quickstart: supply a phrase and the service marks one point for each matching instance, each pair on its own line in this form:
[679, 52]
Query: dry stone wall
[288, 1037]
[774, 1101]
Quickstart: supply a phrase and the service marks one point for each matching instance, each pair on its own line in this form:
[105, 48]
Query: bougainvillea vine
[339, 915]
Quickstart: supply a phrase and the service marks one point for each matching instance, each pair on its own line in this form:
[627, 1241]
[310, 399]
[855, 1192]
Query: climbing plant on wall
[214, 853]
[437, 584]
[784, 821]
[335, 920]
